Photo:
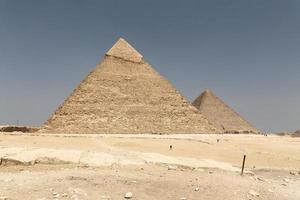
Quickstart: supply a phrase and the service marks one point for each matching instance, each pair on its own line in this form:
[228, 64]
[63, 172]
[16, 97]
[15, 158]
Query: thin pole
[243, 166]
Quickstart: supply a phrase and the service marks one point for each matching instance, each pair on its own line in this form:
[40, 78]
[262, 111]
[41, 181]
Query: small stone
[210, 172]
[260, 179]
[293, 173]
[196, 189]
[183, 198]
[128, 195]
[286, 180]
[8, 180]
[3, 198]
[105, 197]
[253, 193]
[55, 195]
[250, 173]
[64, 195]
[170, 167]
[269, 190]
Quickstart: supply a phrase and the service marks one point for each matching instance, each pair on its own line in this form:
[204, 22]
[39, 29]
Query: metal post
[243, 166]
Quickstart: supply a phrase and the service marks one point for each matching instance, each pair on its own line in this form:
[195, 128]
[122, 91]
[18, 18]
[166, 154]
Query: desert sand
[66, 166]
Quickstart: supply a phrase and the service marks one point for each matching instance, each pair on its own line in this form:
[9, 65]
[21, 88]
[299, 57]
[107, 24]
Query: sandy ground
[108, 166]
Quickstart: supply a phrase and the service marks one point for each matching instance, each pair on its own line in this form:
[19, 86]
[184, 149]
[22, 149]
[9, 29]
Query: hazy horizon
[246, 52]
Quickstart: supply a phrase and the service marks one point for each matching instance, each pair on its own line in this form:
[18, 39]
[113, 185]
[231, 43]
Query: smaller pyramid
[221, 115]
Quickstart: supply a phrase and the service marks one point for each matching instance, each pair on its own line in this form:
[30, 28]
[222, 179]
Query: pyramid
[124, 94]
[221, 115]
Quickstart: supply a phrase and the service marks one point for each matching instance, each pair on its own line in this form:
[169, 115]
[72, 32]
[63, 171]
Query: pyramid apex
[207, 91]
[122, 49]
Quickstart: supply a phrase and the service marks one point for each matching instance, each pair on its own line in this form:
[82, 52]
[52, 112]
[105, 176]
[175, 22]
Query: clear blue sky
[246, 51]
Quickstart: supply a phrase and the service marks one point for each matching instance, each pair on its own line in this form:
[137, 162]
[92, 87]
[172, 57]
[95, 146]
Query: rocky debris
[296, 134]
[128, 195]
[23, 129]
[253, 193]
[171, 167]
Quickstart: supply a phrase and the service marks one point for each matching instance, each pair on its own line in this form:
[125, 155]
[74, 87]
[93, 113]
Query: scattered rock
[293, 173]
[8, 180]
[249, 173]
[128, 195]
[74, 197]
[105, 197]
[286, 180]
[253, 193]
[55, 195]
[64, 195]
[170, 167]
[260, 179]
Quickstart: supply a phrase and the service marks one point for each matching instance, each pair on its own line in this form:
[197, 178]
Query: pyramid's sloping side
[221, 115]
[121, 96]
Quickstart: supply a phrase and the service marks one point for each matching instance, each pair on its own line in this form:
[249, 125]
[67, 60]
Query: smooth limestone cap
[122, 49]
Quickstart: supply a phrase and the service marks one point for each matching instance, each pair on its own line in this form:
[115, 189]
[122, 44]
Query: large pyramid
[124, 94]
[221, 115]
